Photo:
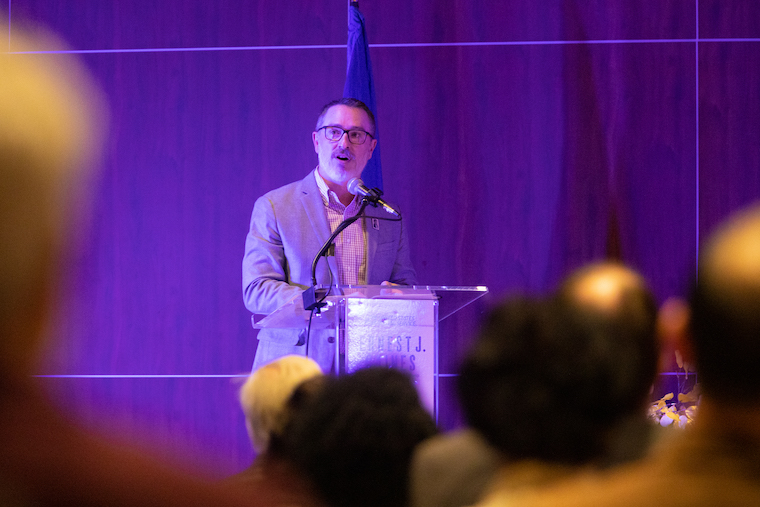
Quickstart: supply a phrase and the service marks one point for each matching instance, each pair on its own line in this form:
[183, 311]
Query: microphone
[356, 186]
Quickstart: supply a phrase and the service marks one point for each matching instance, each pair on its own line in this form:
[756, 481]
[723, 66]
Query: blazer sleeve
[403, 272]
[266, 281]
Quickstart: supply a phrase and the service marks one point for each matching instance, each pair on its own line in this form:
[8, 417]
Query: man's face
[339, 161]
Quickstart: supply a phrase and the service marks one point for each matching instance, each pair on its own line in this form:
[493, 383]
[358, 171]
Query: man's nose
[343, 141]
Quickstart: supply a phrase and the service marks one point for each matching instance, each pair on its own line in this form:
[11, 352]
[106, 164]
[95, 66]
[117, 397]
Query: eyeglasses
[336, 134]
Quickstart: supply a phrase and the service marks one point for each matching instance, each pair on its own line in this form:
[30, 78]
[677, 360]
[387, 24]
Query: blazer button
[330, 339]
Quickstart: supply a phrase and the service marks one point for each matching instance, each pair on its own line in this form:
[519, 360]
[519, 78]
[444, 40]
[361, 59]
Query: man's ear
[314, 140]
[372, 148]
[674, 335]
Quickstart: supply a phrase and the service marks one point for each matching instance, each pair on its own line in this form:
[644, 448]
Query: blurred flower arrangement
[679, 413]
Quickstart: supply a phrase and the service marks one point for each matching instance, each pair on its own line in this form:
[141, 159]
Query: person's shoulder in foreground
[452, 469]
[685, 470]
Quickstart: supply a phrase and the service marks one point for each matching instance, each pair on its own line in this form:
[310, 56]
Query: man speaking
[289, 225]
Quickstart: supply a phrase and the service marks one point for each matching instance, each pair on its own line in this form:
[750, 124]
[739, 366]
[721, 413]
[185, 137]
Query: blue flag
[359, 85]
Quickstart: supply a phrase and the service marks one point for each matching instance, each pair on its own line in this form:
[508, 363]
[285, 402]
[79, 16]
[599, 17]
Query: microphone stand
[310, 301]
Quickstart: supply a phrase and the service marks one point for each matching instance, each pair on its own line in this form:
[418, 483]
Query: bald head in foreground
[607, 288]
[716, 461]
[614, 303]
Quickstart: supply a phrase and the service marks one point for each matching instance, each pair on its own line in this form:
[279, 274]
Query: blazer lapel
[315, 211]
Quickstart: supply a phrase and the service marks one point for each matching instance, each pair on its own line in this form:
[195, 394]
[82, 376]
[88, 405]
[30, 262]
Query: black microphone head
[354, 185]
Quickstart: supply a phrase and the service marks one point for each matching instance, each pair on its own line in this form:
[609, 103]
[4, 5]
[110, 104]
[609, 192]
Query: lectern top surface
[450, 300]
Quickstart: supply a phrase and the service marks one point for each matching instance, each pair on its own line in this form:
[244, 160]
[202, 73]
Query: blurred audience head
[725, 311]
[355, 437]
[51, 121]
[615, 307]
[264, 396]
[49, 134]
[550, 379]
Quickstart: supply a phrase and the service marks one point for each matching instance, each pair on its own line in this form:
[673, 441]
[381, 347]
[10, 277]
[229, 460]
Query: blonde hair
[265, 394]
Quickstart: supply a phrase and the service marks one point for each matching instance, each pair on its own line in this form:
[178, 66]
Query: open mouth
[342, 157]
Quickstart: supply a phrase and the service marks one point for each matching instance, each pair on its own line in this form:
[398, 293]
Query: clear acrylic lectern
[388, 325]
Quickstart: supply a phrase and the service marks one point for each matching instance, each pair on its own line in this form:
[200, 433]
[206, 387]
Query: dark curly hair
[355, 438]
[549, 380]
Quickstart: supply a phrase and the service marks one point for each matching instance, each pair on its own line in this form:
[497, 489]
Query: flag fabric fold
[359, 85]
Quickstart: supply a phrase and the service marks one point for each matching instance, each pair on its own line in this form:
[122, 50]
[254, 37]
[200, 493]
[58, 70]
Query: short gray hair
[349, 102]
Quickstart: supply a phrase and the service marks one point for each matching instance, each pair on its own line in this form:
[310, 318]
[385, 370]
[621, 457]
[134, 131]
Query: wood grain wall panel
[146, 24]
[729, 129]
[630, 173]
[728, 19]
[481, 166]
[194, 422]
[556, 120]
[142, 24]
[446, 21]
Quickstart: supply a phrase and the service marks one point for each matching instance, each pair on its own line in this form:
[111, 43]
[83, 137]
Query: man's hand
[385, 292]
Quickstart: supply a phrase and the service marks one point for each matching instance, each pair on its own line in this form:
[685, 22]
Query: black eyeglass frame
[344, 132]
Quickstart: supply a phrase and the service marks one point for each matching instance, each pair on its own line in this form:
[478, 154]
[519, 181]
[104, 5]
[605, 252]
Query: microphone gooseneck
[309, 296]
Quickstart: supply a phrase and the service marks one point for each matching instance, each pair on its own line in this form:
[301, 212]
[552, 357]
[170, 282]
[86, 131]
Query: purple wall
[521, 138]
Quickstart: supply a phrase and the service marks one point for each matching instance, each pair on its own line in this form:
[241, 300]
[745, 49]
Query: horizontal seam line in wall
[398, 45]
[669, 373]
[230, 376]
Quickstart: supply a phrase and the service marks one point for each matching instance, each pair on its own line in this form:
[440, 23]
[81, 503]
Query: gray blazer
[288, 227]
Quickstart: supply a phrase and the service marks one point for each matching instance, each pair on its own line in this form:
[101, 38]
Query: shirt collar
[323, 190]
[328, 196]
